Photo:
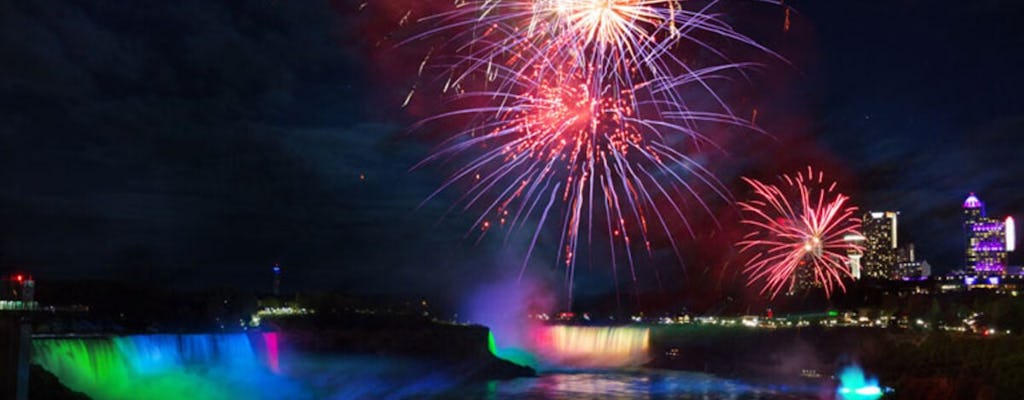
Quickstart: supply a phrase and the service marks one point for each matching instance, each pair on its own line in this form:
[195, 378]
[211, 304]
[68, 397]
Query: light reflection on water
[383, 378]
[634, 384]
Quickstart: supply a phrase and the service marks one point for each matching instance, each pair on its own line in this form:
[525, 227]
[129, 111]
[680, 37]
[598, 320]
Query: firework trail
[584, 114]
[798, 227]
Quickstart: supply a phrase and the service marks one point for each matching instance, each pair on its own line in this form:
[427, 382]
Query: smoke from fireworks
[799, 230]
[585, 114]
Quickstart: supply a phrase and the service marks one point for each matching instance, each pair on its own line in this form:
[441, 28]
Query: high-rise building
[974, 211]
[880, 243]
[985, 239]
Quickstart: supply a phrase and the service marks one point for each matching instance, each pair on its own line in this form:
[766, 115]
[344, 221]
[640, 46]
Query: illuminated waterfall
[592, 347]
[163, 366]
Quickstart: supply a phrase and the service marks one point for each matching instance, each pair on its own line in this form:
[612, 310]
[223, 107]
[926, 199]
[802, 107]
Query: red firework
[560, 142]
[801, 230]
[584, 115]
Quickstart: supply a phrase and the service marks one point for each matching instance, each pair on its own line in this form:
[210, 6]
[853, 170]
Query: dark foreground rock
[462, 349]
[45, 386]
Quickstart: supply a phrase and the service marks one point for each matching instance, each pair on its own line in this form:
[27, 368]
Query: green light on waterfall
[158, 367]
[513, 355]
[491, 345]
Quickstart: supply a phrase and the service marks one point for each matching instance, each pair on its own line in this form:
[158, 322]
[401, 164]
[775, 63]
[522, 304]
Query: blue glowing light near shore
[853, 385]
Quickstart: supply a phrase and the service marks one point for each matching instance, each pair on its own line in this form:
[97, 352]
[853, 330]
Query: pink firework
[587, 115]
[563, 154]
[801, 230]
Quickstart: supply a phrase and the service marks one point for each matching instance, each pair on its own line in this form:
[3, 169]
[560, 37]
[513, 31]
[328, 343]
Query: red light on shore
[19, 278]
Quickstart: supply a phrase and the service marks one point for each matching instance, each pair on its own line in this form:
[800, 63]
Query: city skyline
[988, 243]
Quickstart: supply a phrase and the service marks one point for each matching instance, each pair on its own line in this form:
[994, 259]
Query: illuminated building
[974, 211]
[907, 265]
[855, 254]
[986, 239]
[879, 260]
[1011, 234]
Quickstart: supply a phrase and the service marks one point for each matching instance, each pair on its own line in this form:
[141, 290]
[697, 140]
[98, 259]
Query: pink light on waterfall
[273, 351]
[505, 307]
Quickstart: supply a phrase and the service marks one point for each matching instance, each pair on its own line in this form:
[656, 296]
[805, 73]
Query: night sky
[196, 143]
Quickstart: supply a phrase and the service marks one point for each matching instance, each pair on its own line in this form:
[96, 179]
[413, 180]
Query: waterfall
[201, 366]
[591, 347]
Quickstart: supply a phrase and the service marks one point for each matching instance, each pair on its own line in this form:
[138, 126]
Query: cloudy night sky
[195, 143]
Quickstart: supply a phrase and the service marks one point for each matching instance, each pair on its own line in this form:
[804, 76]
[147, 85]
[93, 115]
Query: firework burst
[565, 153]
[799, 230]
[584, 114]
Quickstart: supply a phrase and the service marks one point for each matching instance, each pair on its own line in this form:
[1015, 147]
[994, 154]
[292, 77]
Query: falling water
[254, 367]
[591, 347]
[161, 366]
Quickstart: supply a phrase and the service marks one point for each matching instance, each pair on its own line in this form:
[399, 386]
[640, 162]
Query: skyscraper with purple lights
[985, 239]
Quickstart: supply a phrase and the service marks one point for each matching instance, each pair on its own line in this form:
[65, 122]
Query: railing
[12, 305]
